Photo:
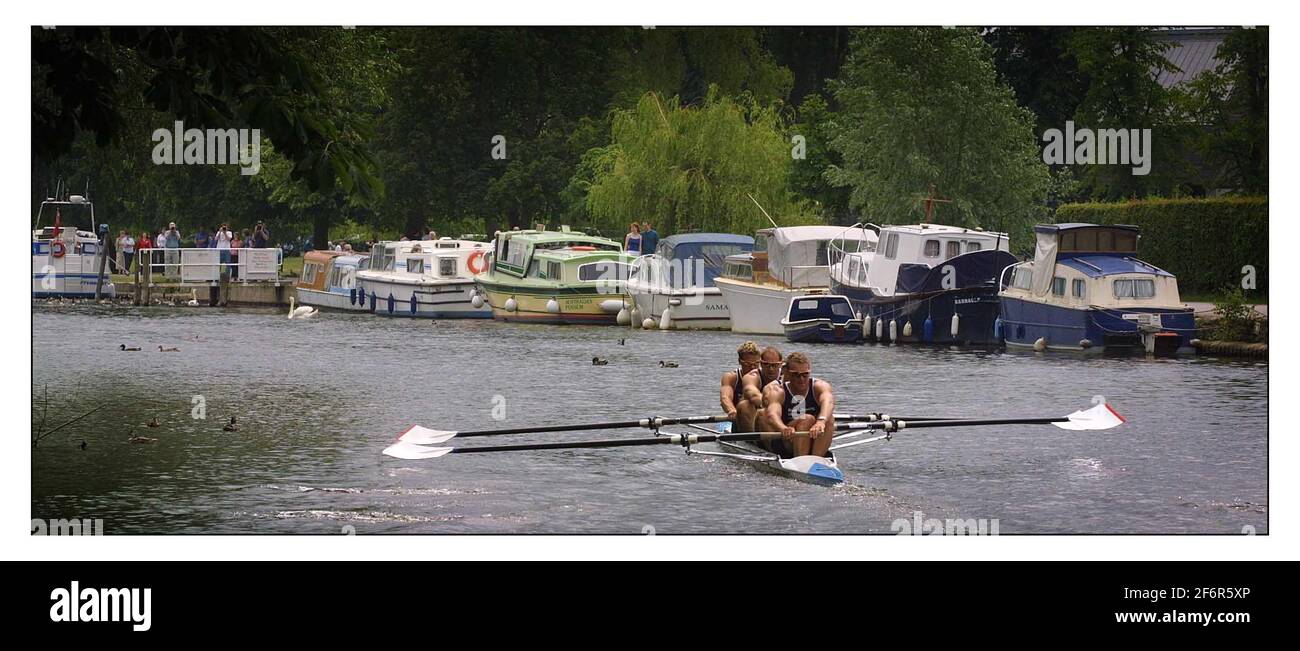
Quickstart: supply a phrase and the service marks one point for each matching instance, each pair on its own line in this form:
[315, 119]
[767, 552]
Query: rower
[800, 403]
[751, 386]
[739, 410]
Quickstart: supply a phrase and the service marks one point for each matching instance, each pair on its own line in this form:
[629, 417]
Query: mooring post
[103, 260]
[147, 290]
[136, 292]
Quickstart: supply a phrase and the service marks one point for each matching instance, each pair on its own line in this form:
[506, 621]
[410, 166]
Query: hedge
[1205, 242]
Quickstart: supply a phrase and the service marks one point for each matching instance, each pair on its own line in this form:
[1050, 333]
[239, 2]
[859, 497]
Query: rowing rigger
[422, 443]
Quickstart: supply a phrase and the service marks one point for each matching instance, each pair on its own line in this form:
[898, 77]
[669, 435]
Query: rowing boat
[421, 443]
[823, 471]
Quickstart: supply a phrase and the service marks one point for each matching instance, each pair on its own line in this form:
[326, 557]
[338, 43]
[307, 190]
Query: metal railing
[209, 264]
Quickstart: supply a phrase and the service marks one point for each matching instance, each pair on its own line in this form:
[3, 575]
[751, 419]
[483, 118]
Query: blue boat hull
[1091, 330]
[976, 309]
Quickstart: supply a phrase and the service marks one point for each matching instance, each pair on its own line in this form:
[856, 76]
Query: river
[318, 399]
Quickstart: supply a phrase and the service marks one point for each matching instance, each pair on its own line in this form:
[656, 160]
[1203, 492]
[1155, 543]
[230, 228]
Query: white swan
[301, 312]
[194, 298]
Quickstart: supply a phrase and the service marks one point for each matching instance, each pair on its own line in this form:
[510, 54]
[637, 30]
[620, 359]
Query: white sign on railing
[259, 264]
[200, 265]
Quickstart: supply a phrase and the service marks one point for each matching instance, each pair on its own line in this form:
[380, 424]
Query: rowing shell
[823, 471]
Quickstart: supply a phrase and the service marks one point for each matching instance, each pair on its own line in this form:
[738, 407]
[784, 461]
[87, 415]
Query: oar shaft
[679, 439]
[644, 422]
[980, 421]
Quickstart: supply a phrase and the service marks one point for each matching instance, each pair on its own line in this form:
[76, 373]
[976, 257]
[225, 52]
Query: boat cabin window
[1078, 288]
[932, 248]
[973, 246]
[1099, 240]
[1022, 278]
[954, 249]
[309, 273]
[415, 265]
[738, 270]
[447, 267]
[553, 270]
[891, 246]
[515, 252]
[446, 245]
[534, 270]
[1135, 288]
[603, 270]
[1058, 286]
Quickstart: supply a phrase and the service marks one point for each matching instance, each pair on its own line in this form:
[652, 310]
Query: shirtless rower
[751, 388]
[739, 409]
[799, 403]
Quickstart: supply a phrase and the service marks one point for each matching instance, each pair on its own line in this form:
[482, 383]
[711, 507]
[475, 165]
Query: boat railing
[209, 264]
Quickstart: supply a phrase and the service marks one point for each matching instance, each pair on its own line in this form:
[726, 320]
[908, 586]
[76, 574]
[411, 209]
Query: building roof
[1193, 52]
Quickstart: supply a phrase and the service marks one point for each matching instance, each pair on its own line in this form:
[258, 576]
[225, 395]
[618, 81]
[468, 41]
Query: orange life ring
[475, 263]
[57, 248]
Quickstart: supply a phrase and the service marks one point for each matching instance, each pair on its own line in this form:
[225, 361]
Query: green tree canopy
[693, 167]
[923, 107]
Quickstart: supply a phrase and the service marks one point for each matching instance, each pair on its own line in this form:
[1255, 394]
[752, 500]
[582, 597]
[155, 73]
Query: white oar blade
[1096, 418]
[406, 450]
[425, 436]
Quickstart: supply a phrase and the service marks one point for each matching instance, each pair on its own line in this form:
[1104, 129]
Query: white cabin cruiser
[426, 278]
[787, 262]
[65, 259]
[674, 289]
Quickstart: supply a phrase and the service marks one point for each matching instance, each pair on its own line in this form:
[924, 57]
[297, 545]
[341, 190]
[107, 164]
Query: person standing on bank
[632, 242]
[127, 247]
[221, 241]
[649, 238]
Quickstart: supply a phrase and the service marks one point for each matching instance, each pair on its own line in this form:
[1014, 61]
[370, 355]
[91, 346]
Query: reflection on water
[318, 399]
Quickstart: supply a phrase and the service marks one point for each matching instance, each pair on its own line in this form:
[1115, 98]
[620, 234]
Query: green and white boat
[556, 277]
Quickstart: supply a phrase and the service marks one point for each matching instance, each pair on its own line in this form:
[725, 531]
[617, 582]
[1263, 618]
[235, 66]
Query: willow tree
[923, 107]
[692, 168]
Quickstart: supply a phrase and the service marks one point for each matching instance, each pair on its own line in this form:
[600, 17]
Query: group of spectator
[170, 240]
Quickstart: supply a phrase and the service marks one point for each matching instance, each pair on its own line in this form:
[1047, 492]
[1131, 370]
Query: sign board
[259, 264]
[200, 265]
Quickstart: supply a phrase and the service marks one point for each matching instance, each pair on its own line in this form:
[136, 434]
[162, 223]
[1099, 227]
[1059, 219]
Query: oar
[1099, 417]
[408, 450]
[426, 436]
[877, 416]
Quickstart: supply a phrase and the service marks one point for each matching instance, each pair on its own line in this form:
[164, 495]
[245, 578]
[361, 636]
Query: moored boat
[424, 279]
[65, 259]
[786, 262]
[329, 280]
[1085, 290]
[827, 318]
[674, 287]
[557, 277]
[926, 283]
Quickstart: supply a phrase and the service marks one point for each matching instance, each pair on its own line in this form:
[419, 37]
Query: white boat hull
[72, 275]
[433, 299]
[697, 309]
[758, 309]
[336, 300]
[823, 471]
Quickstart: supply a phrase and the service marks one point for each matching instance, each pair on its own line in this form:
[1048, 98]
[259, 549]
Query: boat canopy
[707, 249]
[808, 308]
[1075, 238]
[797, 255]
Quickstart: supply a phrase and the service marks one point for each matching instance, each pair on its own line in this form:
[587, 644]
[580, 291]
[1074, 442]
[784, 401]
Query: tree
[1121, 64]
[217, 77]
[923, 107]
[687, 61]
[1231, 103]
[1042, 70]
[808, 174]
[697, 167]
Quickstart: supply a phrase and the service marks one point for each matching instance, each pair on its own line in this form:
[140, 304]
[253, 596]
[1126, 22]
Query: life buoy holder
[57, 248]
[475, 264]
